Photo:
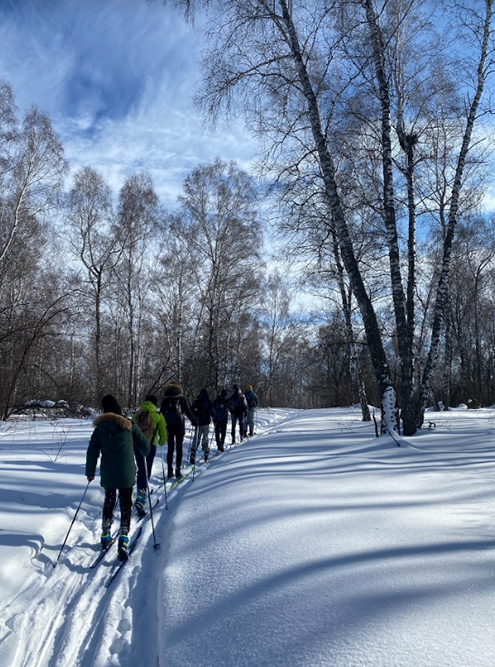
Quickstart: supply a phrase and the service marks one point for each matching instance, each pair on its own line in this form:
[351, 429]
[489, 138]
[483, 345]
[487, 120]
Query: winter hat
[173, 390]
[249, 387]
[152, 399]
[235, 388]
[110, 404]
[223, 393]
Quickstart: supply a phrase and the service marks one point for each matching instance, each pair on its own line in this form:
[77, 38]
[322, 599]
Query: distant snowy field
[312, 544]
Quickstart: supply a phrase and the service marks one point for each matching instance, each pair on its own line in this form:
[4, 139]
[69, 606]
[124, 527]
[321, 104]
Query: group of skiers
[128, 446]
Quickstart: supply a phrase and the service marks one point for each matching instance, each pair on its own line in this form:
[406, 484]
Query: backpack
[235, 402]
[202, 410]
[173, 413]
[220, 410]
[251, 399]
[238, 403]
[145, 423]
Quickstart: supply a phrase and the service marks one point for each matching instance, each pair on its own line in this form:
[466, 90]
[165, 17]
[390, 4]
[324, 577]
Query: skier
[174, 406]
[252, 404]
[153, 427]
[238, 408]
[202, 409]
[220, 418]
[114, 438]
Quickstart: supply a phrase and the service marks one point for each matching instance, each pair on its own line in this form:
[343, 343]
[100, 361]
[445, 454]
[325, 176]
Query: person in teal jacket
[115, 438]
[154, 428]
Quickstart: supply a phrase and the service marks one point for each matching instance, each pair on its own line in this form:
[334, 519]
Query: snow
[312, 544]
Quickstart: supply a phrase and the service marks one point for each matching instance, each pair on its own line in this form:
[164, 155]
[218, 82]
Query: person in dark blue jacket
[220, 418]
[175, 408]
[202, 409]
[238, 408]
[252, 404]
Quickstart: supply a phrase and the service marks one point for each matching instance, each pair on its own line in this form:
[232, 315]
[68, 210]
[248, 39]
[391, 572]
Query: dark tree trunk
[373, 336]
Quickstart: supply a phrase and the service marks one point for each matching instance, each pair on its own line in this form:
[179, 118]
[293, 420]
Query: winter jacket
[251, 398]
[221, 408]
[174, 406]
[238, 403]
[202, 408]
[159, 425]
[114, 438]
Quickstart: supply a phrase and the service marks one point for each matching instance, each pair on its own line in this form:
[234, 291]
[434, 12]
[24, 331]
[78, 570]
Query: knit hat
[249, 387]
[152, 399]
[110, 404]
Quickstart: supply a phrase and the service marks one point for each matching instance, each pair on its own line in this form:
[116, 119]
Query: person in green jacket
[114, 438]
[153, 426]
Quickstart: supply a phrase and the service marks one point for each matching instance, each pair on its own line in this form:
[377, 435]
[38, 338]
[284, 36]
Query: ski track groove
[44, 623]
[47, 621]
[65, 595]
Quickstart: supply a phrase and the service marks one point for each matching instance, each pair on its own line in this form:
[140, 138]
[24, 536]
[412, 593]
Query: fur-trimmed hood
[114, 439]
[120, 420]
[173, 390]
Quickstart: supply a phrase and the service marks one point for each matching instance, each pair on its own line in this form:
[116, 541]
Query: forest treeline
[375, 163]
[105, 291]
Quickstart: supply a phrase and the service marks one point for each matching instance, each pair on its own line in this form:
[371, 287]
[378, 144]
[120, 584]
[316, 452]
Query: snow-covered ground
[312, 544]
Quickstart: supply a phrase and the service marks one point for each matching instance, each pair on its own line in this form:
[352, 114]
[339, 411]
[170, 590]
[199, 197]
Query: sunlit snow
[312, 544]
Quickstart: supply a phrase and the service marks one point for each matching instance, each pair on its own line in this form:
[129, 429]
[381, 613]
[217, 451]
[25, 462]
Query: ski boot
[206, 456]
[170, 473]
[178, 474]
[123, 553]
[192, 457]
[139, 505]
[106, 540]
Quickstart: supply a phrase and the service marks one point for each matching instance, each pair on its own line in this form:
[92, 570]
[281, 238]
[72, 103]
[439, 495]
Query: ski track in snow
[56, 601]
[64, 616]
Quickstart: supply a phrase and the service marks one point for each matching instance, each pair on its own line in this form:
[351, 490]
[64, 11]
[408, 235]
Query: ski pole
[70, 527]
[164, 482]
[155, 543]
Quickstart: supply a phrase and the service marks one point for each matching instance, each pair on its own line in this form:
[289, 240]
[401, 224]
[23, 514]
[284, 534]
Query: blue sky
[117, 79]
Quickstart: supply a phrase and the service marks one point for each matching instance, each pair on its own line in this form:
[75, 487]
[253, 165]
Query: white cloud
[117, 79]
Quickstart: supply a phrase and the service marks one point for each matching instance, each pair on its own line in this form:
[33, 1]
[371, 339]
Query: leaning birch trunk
[373, 336]
[442, 288]
[354, 366]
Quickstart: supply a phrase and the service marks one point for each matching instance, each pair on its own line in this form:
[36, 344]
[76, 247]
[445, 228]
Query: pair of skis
[132, 545]
[120, 563]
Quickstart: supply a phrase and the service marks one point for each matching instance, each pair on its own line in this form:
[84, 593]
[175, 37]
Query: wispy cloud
[117, 77]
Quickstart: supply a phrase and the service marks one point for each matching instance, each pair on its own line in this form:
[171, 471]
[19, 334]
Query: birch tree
[219, 221]
[96, 243]
[299, 70]
[174, 287]
[136, 217]
[32, 167]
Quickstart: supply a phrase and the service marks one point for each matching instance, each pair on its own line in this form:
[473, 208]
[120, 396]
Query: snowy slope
[314, 543]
